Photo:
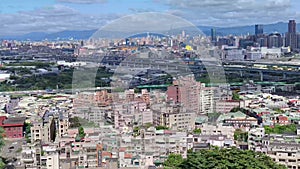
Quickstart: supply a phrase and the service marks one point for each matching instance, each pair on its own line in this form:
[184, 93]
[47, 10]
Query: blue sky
[20, 17]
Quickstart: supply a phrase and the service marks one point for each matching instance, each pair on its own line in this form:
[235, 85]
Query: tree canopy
[278, 129]
[240, 135]
[162, 128]
[2, 164]
[81, 134]
[197, 131]
[216, 158]
[235, 96]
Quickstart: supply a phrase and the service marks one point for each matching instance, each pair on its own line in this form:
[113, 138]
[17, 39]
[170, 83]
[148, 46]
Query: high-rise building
[259, 30]
[291, 35]
[192, 95]
[183, 34]
[298, 40]
[292, 26]
[213, 35]
[184, 91]
[274, 40]
[262, 41]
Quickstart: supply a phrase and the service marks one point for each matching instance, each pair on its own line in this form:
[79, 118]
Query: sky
[19, 17]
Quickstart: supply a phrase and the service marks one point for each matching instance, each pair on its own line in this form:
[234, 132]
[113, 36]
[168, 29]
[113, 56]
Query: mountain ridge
[280, 27]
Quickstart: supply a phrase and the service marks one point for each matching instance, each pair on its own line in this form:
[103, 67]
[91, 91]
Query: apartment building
[224, 106]
[31, 155]
[96, 114]
[63, 124]
[284, 149]
[206, 99]
[255, 136]
[44, 128]
[176, 117]
[192, 95]
[50, 157]
[152, 146]
[133, 112]
[218, 129]
[185, 91]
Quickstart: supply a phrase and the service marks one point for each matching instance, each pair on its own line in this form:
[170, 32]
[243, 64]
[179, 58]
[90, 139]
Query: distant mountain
[78, 35]
[63, 35]
[280, 27]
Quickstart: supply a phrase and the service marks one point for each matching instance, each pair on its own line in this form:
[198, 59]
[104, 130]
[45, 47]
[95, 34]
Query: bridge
[182, 68]
[66, 91]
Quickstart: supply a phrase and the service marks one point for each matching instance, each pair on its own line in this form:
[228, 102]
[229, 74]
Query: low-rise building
[224, 106]
[13, 126]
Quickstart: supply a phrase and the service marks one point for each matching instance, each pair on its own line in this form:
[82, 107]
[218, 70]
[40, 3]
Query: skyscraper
[291, 35]
[183, 34]
[292, 26]
[213, 35]
[274, 40]
[298, 40]
[259, 30]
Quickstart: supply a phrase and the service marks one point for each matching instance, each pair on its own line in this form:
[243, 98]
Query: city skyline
[149, 84]
[59, 15]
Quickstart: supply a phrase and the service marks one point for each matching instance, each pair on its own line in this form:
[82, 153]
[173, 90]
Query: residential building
[175, 117]
[44, 129]
[13, 126]
[224, 106]
[255, 136]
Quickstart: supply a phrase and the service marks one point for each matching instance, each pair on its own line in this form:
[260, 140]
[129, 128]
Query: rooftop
[14, 121]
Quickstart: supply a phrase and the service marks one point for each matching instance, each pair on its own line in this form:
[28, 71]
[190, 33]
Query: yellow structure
[188, 47]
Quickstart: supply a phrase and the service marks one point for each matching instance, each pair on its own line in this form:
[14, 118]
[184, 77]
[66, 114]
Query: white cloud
[232, 12]
[83, 1]
[223, 13]
[51, 19]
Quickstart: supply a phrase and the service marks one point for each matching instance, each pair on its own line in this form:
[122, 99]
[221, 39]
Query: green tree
[173, 161]
[278, 129]
[1, 137]
[27, 132]
[136, 129]
[217, 158]
[2, 164]
[197, 131]
[235, 96]
[240, 135]
[161, 128]
[81, 132]
[147, 125]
